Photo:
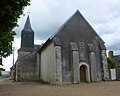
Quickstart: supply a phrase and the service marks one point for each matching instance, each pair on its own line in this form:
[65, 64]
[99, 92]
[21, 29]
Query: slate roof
[27, 27]
[27, 37]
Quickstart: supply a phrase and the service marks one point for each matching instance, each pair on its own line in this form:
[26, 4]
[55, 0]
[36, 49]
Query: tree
[111, 63]
[10, 11]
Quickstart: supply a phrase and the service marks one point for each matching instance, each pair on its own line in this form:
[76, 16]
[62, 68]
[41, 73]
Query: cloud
[47, 16]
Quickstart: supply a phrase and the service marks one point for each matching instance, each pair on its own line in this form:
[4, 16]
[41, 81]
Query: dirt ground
[37, 89]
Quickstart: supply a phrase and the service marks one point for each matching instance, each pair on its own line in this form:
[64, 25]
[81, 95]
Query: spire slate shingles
[27, 37]
[27, 26]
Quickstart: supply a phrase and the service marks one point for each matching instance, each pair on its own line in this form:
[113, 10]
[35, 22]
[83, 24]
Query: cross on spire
[28, 12]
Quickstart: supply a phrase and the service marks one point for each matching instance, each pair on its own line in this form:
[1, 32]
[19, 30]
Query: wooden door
[82, 74]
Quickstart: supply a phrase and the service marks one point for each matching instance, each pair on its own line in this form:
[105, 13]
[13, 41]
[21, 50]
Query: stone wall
[48, 64]
[22, 53]
[26, 67]
[58, 65]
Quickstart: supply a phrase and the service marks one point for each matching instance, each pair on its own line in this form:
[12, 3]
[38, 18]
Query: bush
[111, 63]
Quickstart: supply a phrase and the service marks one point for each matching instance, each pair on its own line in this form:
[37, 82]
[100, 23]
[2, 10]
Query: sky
[47, 16]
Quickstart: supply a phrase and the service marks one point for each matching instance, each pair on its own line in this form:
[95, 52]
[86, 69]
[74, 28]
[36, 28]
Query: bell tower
[27, 37]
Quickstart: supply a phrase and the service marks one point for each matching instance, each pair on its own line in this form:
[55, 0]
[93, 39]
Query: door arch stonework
[87, 71]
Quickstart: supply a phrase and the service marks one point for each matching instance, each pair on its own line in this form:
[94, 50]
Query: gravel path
[36, 89]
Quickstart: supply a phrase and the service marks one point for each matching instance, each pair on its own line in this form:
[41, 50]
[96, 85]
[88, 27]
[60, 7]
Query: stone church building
[74, 54]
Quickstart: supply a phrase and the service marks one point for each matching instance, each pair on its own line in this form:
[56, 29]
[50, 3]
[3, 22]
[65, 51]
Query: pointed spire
[27, 26]
[27, 36]
[77, 11]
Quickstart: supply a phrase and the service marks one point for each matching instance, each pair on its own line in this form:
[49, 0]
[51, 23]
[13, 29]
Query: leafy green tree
[111, 63]
[2, 69]
[10, 11]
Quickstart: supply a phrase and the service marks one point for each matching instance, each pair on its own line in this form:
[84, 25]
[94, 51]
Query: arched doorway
[82, 73]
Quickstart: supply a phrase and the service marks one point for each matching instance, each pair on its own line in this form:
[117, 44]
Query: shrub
[111, 63]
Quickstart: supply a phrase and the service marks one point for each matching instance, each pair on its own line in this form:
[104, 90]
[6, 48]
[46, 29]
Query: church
[74, 54]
